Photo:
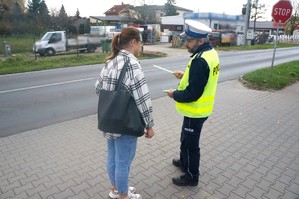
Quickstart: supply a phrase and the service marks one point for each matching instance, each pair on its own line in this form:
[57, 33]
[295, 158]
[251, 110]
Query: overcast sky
[98, 7]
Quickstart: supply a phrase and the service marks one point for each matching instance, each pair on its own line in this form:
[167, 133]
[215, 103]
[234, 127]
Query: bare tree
[130, 15]
[294, 20]
[54, 12]
[257, 12]
[145, 2]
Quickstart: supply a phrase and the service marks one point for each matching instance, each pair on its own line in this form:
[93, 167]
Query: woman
[121, 148]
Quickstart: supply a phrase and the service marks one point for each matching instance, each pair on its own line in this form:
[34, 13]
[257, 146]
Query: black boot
[185, 180]
[177, 163]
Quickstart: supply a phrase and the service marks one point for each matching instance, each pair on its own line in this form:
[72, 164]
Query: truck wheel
[50, 52]
[91, 49]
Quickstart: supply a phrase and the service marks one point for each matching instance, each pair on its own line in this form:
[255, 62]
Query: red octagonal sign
[282, 11]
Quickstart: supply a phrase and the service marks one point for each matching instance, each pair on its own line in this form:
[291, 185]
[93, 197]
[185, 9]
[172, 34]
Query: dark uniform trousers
[190, 150]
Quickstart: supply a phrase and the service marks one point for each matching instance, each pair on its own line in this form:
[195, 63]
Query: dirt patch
[154, 54]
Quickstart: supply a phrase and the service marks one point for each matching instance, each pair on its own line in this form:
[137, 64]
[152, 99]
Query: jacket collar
[204, 47]
[127, 54]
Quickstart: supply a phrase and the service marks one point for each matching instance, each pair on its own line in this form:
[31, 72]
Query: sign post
[281, 13]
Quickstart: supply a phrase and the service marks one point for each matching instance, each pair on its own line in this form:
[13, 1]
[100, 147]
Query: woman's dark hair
[122, 39]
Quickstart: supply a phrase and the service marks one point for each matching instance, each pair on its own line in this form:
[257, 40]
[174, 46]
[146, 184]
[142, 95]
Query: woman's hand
[149, 133]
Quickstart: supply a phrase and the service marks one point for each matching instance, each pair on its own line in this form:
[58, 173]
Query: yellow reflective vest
[203, 107]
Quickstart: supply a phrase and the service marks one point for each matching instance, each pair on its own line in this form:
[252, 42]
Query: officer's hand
[178, 74]
[170, 93]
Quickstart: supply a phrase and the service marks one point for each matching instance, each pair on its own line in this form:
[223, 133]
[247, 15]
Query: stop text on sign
[281, 11]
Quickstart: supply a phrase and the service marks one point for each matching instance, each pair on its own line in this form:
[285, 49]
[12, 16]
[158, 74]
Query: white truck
[57, 41]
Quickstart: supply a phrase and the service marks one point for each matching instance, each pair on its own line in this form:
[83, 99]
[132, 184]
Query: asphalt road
[33, 100]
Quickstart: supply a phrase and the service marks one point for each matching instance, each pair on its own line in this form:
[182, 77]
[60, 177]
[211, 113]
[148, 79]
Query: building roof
[106, 18]
[117, 9]
[213, 16]
[161, 7]
[264, 25]
[113, 14]
[183, 9]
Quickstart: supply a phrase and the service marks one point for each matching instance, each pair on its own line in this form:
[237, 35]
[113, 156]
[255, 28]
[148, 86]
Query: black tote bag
[117, 111]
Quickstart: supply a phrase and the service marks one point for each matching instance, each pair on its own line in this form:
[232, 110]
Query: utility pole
[255, 13]
[246, 22]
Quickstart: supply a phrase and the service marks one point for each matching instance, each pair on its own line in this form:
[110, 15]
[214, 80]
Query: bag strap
[122, 74]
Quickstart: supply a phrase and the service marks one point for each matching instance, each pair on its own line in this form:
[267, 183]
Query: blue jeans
[121, 152]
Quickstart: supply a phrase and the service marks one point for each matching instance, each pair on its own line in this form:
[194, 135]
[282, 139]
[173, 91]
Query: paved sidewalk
[250, 149]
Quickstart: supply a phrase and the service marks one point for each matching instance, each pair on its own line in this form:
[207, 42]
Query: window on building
[216, 26]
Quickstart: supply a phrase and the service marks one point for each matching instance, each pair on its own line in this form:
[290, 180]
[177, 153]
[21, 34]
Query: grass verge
[18, 44]
[23, 63]
[282, 75]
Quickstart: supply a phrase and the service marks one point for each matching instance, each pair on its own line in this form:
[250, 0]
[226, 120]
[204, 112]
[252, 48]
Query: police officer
[194, 98]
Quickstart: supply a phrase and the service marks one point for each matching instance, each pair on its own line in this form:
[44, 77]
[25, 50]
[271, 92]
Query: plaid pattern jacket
[134, 83]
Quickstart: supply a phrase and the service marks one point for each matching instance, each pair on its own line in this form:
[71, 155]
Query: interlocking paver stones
[249, 150]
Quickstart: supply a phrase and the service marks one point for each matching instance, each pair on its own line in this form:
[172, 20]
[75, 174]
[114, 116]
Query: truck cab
[51, 43]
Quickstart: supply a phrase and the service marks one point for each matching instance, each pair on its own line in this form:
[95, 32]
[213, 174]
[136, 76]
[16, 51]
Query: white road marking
[46, 85]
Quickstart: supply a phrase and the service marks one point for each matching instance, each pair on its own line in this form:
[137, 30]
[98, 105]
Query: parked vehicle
[223, 38]
[228, 38]
[57, 41]
[215, 38]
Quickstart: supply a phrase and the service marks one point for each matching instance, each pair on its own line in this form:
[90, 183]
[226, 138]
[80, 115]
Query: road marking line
[46, 85]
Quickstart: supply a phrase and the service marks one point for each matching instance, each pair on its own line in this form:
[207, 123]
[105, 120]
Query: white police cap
[195, 29]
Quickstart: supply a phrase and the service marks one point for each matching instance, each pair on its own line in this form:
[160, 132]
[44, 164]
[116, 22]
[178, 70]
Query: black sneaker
[177, 163]
[185, 180]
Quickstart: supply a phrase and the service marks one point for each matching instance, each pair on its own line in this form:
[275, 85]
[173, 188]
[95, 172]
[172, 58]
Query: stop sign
[282, 11]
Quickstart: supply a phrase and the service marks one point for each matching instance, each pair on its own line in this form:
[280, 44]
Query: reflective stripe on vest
[203, 107]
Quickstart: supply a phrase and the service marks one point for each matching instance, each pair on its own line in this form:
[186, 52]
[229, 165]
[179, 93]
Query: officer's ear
[200, 41]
